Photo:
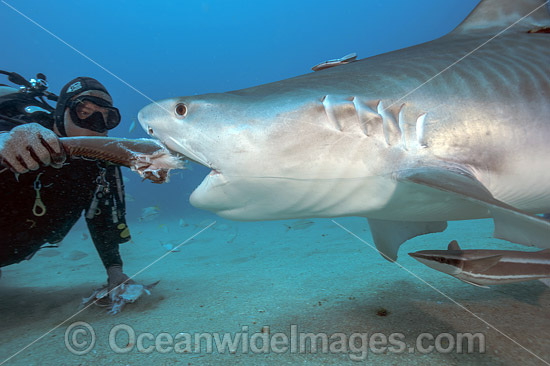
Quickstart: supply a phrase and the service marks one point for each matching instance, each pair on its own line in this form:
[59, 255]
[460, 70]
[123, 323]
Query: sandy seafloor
[236, 275]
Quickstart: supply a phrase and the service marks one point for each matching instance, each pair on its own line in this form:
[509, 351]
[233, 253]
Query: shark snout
[152, 117]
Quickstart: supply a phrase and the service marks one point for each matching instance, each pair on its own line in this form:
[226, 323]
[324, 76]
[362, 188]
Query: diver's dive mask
[93, 113]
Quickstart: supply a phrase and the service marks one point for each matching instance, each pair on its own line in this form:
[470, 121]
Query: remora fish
[453, 129]
[488, 267]
[336, 62]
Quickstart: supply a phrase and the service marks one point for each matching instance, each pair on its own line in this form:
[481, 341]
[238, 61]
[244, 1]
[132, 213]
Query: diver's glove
[116, 277]
[28, 146]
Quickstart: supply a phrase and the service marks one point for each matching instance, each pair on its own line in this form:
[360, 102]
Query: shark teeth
[188, 154]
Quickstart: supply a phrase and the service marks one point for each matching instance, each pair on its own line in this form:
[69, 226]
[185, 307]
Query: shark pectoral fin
[520, 227]
[389, 235]
[472, 283]
[483, 264]
[511, 223]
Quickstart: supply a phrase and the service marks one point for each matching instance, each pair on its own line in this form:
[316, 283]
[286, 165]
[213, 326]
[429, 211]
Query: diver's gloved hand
[117, 277]
[28, 146]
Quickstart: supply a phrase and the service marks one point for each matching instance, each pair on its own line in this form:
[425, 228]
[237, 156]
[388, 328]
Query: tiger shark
[453, 129]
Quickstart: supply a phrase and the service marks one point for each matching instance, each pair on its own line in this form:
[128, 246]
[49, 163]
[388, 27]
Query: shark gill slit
[372, 118]
[328, 105]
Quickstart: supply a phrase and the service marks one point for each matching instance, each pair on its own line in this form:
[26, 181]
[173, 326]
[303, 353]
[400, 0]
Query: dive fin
[511, 223]
[389, 235]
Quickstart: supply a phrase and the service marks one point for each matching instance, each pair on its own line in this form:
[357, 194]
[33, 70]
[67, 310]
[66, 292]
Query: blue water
[172, 48]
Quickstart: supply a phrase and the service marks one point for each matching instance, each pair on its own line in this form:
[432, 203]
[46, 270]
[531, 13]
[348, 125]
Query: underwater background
[234, 275]
[165, 49]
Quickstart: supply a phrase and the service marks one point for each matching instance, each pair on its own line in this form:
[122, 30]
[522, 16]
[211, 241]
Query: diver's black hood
[73, 88]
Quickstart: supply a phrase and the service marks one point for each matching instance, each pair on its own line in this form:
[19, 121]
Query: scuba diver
[47, 194]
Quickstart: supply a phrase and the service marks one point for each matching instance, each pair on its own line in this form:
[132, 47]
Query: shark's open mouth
[185, 153]
[179, 149]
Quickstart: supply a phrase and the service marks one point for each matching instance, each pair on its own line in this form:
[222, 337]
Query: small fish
[128, 197]
[125, 179]
[163, 227]
[335, 62]
[149, 214]
[222, 227]
[132, 126]
[84, 236]
[75, 255]
[299, 225]
[182, 223]
[205, 223]
[231, 236]
[169, 247]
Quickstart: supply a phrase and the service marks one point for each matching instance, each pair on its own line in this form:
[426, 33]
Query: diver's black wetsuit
[65, 193]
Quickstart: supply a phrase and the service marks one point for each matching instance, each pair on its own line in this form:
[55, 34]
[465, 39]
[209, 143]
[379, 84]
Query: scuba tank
[26, 103]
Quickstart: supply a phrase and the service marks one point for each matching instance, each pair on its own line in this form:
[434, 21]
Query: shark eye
[181, 110]
[150, 131]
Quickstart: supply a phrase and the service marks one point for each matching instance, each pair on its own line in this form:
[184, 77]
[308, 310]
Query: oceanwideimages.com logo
[80, 338]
